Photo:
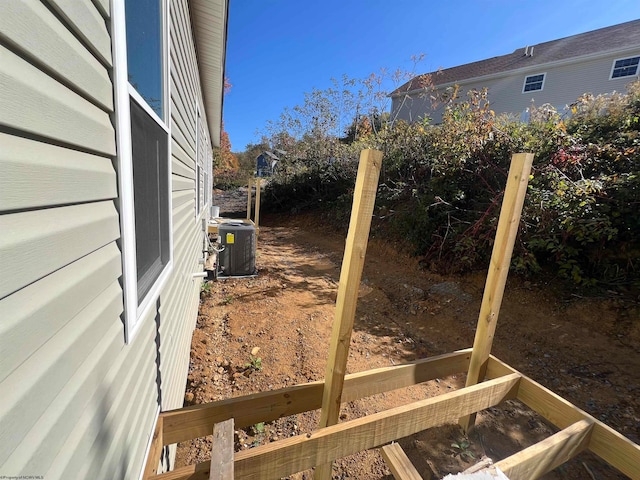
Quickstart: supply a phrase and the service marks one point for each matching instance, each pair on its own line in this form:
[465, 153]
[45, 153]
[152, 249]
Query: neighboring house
[266, 164]
[555, 72]
[108, 111]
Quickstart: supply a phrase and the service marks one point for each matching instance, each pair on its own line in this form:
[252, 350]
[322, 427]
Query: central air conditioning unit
[238, 255]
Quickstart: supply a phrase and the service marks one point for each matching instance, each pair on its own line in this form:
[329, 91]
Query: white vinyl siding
[37, 243]
[38, 104]
[60, 176]
[67, 376]
[45, 40]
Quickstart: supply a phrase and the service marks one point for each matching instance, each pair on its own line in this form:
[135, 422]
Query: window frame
[613, 67]
[204, 165]
[544, 79]
[134, 310]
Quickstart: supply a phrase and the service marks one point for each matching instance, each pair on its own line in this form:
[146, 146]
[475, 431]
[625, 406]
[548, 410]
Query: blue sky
[279, 49]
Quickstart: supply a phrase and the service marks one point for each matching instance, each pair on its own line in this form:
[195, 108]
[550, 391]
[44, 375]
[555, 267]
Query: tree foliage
[441, 186]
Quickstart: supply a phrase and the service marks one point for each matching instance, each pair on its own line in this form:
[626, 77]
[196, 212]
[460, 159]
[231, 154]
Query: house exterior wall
[77, 400]
[563, 84]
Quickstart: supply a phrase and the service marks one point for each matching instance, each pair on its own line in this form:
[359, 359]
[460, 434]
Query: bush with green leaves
[445, 185]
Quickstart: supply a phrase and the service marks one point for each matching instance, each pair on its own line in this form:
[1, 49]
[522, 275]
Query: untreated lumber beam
[198, 420]
[605, 442]
[364, 199]
[256, 213]
[249, 199]
[222, 451]
[155, 451]
[506, 232]
[398, 462]
[282, 458]
[536, 460]
[295, 454]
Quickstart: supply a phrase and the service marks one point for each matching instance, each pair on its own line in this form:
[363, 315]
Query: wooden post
[352, 264]
[249, 199]
[257, 209]
[498, 269]
[222, 451]
[155, 451]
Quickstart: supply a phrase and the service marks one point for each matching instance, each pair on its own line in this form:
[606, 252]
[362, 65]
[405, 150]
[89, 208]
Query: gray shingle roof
[606, 39]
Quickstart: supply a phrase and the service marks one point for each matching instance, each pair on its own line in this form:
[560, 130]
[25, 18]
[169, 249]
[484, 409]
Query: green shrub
[445, 183]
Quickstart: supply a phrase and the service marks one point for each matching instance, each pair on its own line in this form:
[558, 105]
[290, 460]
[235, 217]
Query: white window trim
[206, 166]
[134, 313]
[544, 79]
[613, 67]
[198, 212]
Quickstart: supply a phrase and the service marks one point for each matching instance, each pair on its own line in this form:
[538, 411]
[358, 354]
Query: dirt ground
[273, 331]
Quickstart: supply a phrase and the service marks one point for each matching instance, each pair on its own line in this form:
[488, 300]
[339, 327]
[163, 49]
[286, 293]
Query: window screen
[151, 197]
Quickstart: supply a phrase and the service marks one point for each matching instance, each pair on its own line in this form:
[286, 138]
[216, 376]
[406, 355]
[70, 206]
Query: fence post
[506, 232]
[364, 198]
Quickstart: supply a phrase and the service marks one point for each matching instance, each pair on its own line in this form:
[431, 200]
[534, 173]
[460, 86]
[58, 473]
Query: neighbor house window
[140, 33]
[625, 67]
[533, 83]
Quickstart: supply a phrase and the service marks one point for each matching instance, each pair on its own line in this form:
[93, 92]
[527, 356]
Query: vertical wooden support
[249, 199]
[221, 467]
[498, 269]
[257, 209]
[155, 451]
[352, 264]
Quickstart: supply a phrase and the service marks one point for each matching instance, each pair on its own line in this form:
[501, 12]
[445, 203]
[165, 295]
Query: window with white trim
[140, 43]
[533, 83]
[625, 67]
[202, 197]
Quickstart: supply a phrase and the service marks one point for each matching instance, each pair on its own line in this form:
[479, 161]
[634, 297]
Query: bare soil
[585, 349]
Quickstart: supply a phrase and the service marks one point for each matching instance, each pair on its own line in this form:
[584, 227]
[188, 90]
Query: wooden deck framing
[489, 382]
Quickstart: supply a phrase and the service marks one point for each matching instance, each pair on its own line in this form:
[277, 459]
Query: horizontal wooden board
[35, 174]
[38, 34]
[533, 462]
[34, 314]
[608, 444]
[198, 420]
[284, 457]
[39, 242]
[399, 463]
[85, 20]
[38, 104]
